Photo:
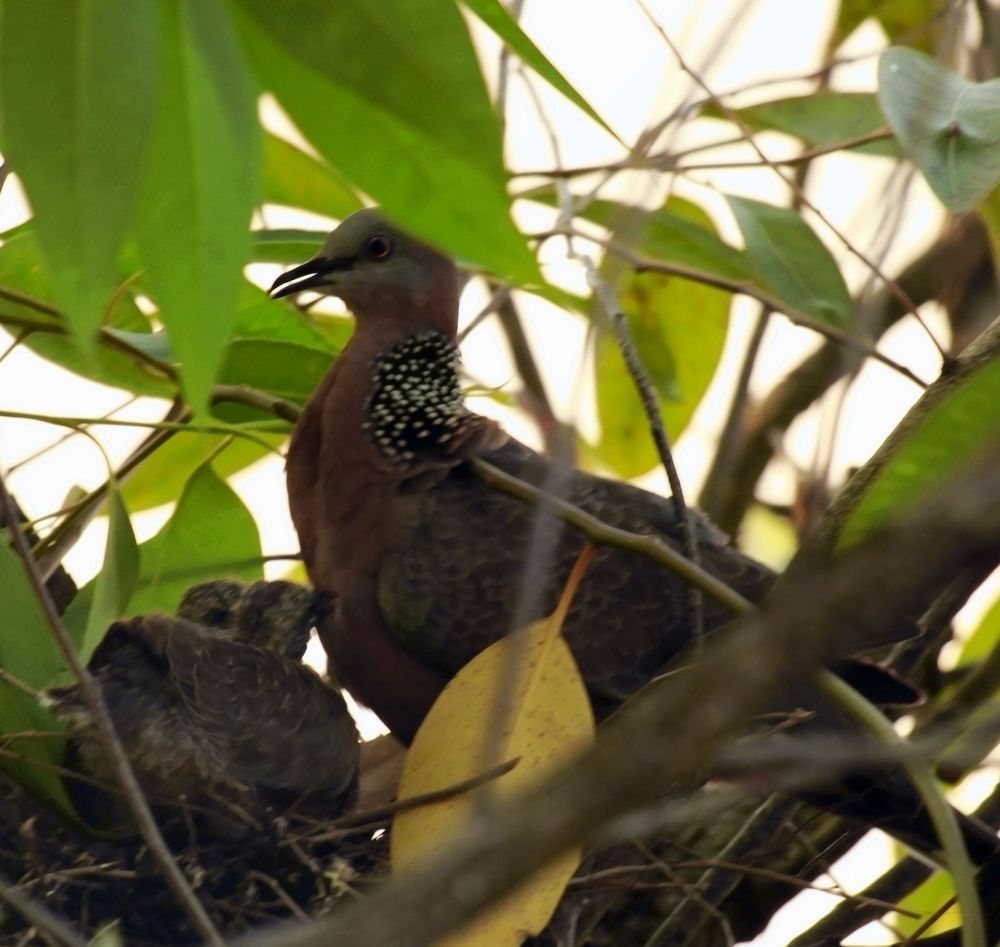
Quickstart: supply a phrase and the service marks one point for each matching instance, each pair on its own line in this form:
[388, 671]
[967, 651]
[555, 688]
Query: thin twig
[602, 534]
[109, 738]
[790, 183]
[746, 288]
[803, 157]
[651, 407]
[40, 917]
[378, 815]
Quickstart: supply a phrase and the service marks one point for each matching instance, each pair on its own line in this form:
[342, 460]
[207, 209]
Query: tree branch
[677, 726]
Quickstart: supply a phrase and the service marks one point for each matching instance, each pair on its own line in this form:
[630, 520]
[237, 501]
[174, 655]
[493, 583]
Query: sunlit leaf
[982, 642]
[200, 188]
[546, 719]
[678, 326]
[903, 20]
[949, 127]
[77, 131]
[950, 435]
[790, 261]
[211, 535]
[927, 899]
[161, 478]
[297, 179]
[416, 131]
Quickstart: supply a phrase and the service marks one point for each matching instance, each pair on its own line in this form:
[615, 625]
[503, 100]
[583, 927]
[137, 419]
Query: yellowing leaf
[521, 699]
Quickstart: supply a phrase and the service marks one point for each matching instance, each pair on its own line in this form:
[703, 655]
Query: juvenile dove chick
[216, 704]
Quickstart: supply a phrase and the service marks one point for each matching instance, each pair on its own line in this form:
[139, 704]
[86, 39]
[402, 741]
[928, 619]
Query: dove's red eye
[379, 247]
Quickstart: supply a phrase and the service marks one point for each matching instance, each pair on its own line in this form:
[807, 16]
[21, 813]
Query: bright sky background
[609, 51]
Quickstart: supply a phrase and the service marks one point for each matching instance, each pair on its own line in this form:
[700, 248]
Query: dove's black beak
[317, 274]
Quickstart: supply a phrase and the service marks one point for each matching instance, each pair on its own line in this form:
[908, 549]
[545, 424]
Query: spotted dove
[216, 703]
[428, 565]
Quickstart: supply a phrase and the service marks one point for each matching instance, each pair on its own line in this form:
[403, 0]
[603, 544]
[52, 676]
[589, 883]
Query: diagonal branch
[677, 727]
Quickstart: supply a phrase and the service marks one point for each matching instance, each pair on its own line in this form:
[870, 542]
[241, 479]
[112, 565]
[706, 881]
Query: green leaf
[78, 92]
[210, 535]
[897, 17]
[981, 643]
[297, 179]
[393, 98]
[286, 245]
[790, 261]
[260, 317]
[161, 478]
[201, 186]
[116, 580]
[285, 369]
[27, 647]
[950, 435]
[679, 328]
[30, 759]
[495, 16]
[29, 652]
[948, 127]
[680, 233]
[823, 119]
[927, 899]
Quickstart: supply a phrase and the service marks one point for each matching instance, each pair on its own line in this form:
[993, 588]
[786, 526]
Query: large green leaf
[949, 127]
[823, 119]
[393, 98]
[495, 15]
[790, 261]
[210, 535]
[201, 186]
[78, 92]
[162, 477]
[29, 652]
[286, 369]
[964, 422]
[297, 179]
[678, 326]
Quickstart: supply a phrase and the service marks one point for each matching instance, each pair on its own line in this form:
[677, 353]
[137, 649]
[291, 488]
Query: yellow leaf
[521, 699]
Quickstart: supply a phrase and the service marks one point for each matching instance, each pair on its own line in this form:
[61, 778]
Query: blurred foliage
[135, 130]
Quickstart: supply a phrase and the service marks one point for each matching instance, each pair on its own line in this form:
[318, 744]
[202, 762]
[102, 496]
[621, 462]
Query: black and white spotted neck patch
[416, 404]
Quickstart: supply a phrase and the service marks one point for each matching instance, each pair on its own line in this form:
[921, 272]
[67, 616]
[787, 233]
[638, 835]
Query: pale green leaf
[949, 127]
[78, 92]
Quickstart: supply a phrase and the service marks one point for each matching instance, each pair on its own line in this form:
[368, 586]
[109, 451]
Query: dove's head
[381, 273]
